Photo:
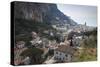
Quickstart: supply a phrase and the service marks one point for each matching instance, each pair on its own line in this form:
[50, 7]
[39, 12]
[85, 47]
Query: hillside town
[49, 33]
[64, 50]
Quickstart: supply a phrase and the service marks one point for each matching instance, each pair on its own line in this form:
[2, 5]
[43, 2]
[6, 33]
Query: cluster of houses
[63, 51]
[76, 28]
[18, 49]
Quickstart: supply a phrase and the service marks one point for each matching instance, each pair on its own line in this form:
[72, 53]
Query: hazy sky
[80, 13]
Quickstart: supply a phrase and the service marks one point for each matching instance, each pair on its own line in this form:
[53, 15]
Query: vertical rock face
[28, 11]
[41, 12]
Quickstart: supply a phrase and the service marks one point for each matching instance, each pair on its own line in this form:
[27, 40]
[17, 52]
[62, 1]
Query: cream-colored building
[63, 53]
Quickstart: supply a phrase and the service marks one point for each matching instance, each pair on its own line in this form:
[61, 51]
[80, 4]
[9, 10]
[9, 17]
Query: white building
[26, 60]
[34, 34]
[63, 53]
[77, 41]
[60, 27]
[36, 41]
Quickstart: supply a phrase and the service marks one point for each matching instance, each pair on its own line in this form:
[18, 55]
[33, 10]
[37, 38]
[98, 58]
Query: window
[59, 58]
[62, 58]
[60, 53]
[56, 52]
[66, 55]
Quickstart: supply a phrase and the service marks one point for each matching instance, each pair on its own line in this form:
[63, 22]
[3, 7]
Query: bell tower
[85, 27]
[85, 24]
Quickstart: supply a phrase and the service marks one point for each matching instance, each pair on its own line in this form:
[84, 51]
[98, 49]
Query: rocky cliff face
[41, 12]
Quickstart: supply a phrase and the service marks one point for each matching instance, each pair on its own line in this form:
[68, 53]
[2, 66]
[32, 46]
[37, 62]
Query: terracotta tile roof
[44, 49]
[65, 49]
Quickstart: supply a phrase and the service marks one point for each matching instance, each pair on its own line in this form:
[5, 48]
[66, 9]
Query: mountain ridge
[41, 12]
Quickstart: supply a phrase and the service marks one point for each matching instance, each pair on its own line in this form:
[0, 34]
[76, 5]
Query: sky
[80, 13]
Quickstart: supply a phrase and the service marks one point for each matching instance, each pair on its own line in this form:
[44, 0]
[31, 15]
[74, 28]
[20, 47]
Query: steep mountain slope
[37, 16]
[41, 12]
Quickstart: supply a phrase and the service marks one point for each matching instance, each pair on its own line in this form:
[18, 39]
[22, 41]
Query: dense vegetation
[88, 54]
[35, 55]
[91, 41]
[23, 29]
[89, 45]
[23, 26]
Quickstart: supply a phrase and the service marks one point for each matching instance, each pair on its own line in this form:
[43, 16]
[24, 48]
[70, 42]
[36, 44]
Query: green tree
[34, 54]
